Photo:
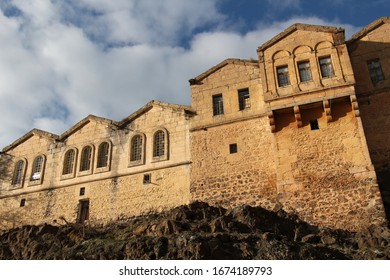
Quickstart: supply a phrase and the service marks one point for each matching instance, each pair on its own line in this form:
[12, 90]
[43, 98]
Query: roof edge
[82, 123]
[148, 106]
[220, 65]
[299, 26]
[28, 135]
[368, 28]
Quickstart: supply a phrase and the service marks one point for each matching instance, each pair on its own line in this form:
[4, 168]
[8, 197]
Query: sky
[61, 60]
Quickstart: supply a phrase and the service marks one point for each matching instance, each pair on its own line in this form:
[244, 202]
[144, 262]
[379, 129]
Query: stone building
[304, 128]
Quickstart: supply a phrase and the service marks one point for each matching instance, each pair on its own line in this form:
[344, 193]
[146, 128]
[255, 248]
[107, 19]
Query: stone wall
[230, 179]
[325, 175]
[118, 190]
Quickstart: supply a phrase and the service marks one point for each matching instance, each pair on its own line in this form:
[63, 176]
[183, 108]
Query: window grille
[18, 173]
[217, 105]
[304, 71]
[37, 168]
[283, 79]
[68, 162]
[326, 67]
[103, 153]
[375, 69]
[159, 144]
[244, 99]
[86, 158]
[136, 148]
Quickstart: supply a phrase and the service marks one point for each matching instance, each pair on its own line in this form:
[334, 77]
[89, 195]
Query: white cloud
[55, 71]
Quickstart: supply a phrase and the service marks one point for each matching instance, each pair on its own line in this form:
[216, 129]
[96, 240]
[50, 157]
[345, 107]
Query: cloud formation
[63, 60]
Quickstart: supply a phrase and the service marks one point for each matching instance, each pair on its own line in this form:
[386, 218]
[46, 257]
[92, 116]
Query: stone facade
[303, 129]
[123, 187]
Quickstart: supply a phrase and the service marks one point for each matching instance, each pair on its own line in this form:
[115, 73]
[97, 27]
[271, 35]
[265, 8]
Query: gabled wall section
[121, 188]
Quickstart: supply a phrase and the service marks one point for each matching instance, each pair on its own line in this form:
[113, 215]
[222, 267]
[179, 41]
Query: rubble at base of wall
[197, 231]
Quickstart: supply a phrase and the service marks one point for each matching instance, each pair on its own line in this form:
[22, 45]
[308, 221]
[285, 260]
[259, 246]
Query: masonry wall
[230, 179]
[113, 192]
[325, 175]
[374, 100]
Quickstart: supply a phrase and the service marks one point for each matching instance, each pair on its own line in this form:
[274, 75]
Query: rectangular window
[233, 148]
[326, 67]
[82, 191]
[304, 71]
[283, 79]
[217, 105]
[22, 202]
[375, 69]
[314, 125]
[244, 99]
[147, 178]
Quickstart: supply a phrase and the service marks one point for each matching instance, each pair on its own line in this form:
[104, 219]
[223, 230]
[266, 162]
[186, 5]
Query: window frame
[82, 160]
[139, 151]
[157, 147]
[21, 173]
[283, 77]
[244, 99]
[328, 66]
[217, 102]
[305, 71]
[35, 169]
[375, 75]
[70, 173]
[107, 156]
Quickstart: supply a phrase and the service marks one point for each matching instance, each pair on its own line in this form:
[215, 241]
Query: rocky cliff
[196, 231]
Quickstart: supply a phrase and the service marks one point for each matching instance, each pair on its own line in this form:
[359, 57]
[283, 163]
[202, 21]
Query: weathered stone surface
[262, 234]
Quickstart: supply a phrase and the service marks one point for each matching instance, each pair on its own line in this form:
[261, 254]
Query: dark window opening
[83, 213]
[147, 178]
[375, 69]
[18, 173]
[22, 202]
[283, 79]
[37, 169]
[82, 191]
[233, 148]
[314, 125]
[136, 148]
[244, 99]
[159, 144]
[326, 67]
[304, 71]
[103, 153]
[217, 105]
[68, 162]
[86, 158]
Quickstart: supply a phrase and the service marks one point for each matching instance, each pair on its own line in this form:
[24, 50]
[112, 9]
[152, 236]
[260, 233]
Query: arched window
[103, 154]
[86, 158]
[68, 162]
[18, 173]
[37, 168]
[160, 145]
[136, 148]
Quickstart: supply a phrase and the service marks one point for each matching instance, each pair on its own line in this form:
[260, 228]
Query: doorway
[83, 213]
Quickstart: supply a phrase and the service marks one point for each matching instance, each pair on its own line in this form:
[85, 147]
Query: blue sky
[61, 60]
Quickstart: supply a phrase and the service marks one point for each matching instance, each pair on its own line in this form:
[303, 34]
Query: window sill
[136, 163]
[102, 169]
[84, 173]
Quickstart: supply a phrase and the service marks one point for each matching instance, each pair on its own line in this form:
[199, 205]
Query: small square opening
[147, 178]
[22, 202]
[314, 125]
[233, 148]
[82, 191]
